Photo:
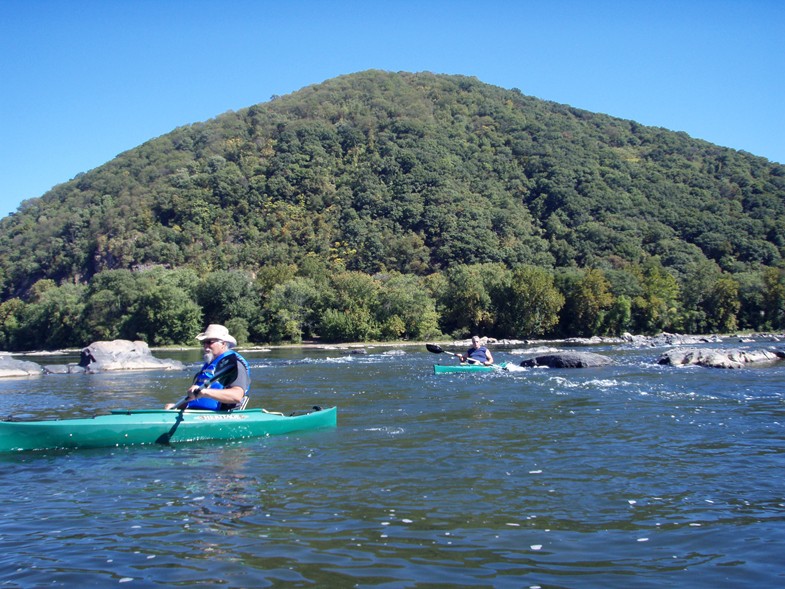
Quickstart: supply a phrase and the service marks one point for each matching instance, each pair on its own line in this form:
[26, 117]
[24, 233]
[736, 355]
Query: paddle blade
[434, 348]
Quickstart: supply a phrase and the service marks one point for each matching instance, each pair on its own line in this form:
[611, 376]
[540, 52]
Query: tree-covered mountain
[412, 174]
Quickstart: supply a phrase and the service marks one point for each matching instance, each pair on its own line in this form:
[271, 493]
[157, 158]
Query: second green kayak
[445, 368]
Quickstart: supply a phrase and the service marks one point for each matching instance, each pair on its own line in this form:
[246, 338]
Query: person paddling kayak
[224, 378]
[477, 353]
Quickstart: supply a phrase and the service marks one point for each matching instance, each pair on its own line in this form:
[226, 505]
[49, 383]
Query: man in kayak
[477, 354]
[225, 377]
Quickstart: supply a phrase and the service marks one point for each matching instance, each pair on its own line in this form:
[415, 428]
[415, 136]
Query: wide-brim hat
[215, 331]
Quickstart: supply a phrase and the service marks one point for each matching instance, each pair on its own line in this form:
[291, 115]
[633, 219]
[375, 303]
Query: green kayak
[444, 368]
[156, 426]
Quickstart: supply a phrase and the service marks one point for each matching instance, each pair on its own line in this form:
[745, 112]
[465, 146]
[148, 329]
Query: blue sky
[84, 81]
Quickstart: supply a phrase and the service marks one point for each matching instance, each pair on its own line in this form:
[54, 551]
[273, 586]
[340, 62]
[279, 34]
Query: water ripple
[630, 475]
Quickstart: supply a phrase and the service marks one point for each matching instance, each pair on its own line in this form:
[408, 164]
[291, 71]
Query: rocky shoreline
[683, 350]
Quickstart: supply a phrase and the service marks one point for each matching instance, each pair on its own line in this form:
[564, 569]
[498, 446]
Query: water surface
[633, 475]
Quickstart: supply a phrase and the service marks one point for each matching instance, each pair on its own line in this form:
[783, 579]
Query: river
[629, 475]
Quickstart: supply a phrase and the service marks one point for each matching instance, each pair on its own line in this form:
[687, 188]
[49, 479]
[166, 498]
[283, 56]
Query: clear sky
[85, 80]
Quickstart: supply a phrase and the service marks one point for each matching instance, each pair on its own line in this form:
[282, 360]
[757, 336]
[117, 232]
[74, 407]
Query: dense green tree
[752, 314]
[405, 309]
[588, 299]
[293, 310]
[351, 309]
[12, 314]
[166, 315]
[722, 306]
[773, 298]
[110, 302]
[619, 317]
[239, 328]
[227, 294]
[697, 280]
[656, 308]
[468, 303]
[53, 319]
[269, 276]
[148, 305]
[353, 325]
[532, 304]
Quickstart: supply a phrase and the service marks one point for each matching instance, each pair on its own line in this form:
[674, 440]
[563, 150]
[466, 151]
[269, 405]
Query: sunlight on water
[631, 475]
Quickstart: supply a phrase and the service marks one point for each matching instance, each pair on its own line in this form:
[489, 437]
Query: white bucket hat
[215, 331]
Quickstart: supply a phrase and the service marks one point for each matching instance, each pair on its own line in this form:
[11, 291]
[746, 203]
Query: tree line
[288, 303]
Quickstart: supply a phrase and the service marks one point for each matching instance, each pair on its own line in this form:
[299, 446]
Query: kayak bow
[156, 426]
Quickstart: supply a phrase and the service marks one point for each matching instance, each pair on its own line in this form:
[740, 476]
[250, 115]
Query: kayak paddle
[438, 350]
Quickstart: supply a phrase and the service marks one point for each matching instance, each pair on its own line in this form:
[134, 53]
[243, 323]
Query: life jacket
[477, 353]
[226, 362]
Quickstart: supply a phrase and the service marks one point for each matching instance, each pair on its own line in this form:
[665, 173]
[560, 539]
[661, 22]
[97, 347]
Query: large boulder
[715, 358]
[12, 367]
[104, 356]
[568, 360]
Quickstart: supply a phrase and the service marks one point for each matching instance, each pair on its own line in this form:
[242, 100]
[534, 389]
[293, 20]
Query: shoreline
[662, 339]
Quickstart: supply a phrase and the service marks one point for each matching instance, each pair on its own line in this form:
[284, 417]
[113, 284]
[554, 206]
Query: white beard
[208, 357]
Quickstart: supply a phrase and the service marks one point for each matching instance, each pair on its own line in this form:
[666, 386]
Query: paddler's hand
[191, 394]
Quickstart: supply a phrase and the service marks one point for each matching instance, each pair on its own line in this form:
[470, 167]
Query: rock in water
[104, 356]
[568, 360]
[714, 358]
[12, 367]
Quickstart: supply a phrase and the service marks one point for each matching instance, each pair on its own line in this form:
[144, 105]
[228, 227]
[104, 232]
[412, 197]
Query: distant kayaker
[224, 378]
[478, 352]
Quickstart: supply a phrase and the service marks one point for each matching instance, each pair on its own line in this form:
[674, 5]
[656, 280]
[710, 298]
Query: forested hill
[404, 172]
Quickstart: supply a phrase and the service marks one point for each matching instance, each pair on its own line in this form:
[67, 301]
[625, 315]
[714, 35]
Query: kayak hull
[452, 368]
[155, 426]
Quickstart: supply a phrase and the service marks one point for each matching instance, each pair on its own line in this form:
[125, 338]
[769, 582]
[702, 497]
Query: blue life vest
[208, 371]
[477, 353]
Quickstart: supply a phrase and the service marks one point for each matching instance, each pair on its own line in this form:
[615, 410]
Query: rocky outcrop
[568, 360]
[102, 356]
[715, 358]
[12, 367]
[123, 355]
[668, 339]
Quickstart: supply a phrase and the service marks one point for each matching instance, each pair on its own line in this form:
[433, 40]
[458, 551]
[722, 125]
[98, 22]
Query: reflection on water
[629, 475]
